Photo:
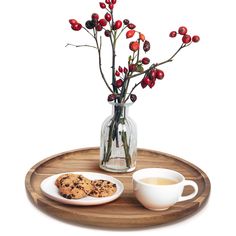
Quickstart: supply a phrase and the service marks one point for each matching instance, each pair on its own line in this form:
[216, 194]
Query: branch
[161, 63]
[154, 66]
[100, 63]
[77, 46]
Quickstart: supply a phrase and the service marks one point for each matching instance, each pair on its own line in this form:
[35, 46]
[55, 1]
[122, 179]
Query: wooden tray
[126, 211]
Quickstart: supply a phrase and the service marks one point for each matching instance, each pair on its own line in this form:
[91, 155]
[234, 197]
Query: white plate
[50, 190]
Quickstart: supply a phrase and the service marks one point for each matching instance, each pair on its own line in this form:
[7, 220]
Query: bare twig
[77, 46]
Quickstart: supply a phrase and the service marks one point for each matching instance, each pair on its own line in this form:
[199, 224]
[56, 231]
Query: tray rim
[200, 201]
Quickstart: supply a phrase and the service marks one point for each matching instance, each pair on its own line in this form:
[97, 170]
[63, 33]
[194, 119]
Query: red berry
[159, 74]
[95, 16]
[173, 34]
[117, 73]
[111, 97]
[152, 74]
[133, 97]
[145, 81]
[102, 22]
[183, 30]
[130, 33]
[99, 27]
[102, 5]
[186, 38]
[118, 25]
[120, 69]
[134, 46]
[151, 84]
[131, 26]
[145, 60]
[196, 38]
[73, 21]
[132, 67]
[142, 37]
[125, 70]
[108, 1]
[113, 1]
[76, 27]
[108, 16]
[111, 6]
[107, 33]
[119, 83]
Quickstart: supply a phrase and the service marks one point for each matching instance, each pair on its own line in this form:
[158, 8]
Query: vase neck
[121, 109]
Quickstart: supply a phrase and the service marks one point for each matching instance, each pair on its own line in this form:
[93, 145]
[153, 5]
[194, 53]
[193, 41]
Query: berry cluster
[137, 64]
[186, 38]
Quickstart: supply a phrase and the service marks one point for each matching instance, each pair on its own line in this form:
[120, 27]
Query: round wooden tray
[126, 211]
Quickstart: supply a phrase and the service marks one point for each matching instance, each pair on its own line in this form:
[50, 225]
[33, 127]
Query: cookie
[65, 176]
[74, 186]
[72, 192]
[102, 188]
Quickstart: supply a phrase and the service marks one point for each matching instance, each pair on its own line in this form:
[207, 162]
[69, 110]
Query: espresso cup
[158, 189]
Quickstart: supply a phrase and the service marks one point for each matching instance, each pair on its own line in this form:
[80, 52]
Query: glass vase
[118, 148]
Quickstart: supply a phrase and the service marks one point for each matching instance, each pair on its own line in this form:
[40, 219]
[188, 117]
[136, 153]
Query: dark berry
[89, 24]
[111, 97]
[102, 5]
[111, 6]
[113, 1]
[133, 97]
[108, 1]
[146, 46]
[145, 60]
[159, 74]
[132, 67]
[131, 26]
[108, 16]
[107, 33]
[173, 34]
[118, 25]
[186, 38]
[183, 30]
[195, 38]
[126, 21]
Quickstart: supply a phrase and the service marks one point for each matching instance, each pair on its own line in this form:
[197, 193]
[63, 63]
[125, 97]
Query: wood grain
[125, 212]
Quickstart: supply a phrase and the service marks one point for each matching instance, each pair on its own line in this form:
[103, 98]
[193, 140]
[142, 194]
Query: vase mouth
[126, 104]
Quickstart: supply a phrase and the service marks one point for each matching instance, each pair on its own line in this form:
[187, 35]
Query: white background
[52, 99]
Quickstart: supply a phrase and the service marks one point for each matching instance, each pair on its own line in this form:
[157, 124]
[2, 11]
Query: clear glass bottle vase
[118, 148]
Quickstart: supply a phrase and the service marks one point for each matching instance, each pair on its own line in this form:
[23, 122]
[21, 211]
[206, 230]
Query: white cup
[161, 197]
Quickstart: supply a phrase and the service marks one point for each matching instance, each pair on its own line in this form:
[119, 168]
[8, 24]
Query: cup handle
[192, 195]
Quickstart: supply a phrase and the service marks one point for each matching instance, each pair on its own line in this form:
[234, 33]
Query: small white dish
[50, 190]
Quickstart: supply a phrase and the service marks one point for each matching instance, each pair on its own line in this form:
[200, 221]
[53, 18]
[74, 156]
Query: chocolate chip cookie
[74, 186]
[102, 188]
